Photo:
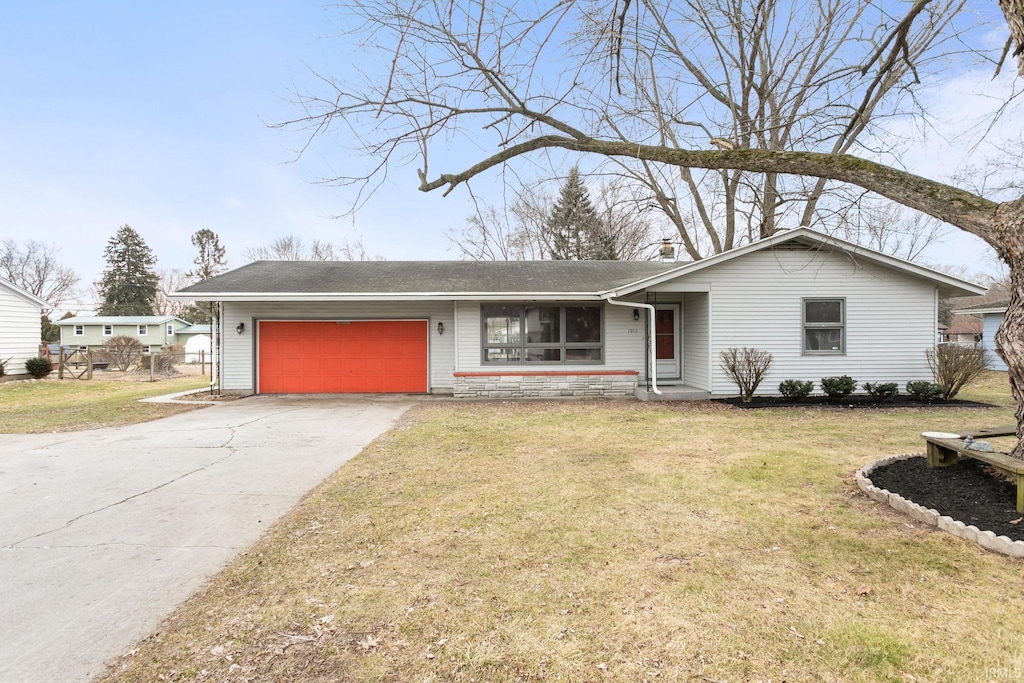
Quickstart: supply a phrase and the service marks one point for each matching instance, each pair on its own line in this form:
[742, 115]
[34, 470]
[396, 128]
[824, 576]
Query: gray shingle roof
[442, 277]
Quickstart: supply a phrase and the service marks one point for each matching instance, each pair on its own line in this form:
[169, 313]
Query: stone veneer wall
[544, 384]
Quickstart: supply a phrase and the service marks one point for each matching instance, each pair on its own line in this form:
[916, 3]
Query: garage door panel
[354, 357]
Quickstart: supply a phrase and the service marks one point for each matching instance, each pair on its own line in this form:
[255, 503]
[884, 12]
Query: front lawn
[608, 541]
[53, 405]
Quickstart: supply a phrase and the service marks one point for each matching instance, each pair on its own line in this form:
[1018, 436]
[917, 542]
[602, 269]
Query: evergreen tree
[49, 331]
[575, 231]
[210, 262]
[129, 283]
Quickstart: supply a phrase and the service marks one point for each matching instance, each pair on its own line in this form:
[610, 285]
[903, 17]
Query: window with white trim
[79, 330]
[824, 326]
[540, 333]
[143, 330]
[170, 330]
[108, 330]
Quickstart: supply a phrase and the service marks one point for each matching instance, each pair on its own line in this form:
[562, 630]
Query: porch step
[672, 393]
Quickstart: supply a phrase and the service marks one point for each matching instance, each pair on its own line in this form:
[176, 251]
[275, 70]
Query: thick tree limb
[957, 207]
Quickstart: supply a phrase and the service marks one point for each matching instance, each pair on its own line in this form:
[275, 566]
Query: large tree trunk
[1008, 239]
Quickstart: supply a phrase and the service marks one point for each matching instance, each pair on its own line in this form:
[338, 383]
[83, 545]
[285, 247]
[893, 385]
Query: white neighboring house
[822, 306]
[991, 318]
[20, 326]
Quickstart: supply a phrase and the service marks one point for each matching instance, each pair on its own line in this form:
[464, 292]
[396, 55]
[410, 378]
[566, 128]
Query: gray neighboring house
[20, 326]
[822, 306]
[991, 318]
[154, 332]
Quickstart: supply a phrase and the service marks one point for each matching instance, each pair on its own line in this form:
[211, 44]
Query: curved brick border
[987, 539]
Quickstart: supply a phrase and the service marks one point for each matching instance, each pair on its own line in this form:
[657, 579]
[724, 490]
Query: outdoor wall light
[440, 328]
[636, 314]
[240, 328]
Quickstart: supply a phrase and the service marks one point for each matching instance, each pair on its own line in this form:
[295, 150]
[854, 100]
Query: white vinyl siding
[756, 301]
[695, 340]
[623, 350]
[238, 365]
[20, 330]
[992, 321]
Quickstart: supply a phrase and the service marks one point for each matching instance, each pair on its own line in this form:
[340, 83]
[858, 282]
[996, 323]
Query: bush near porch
[608, 541]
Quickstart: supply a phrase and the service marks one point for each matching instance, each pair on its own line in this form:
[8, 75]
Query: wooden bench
[943, 452]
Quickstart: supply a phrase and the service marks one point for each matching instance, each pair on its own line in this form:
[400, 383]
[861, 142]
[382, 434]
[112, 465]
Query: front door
[666, 340]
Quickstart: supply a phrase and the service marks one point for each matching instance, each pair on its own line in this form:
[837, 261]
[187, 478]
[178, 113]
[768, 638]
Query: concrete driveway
[103, 533]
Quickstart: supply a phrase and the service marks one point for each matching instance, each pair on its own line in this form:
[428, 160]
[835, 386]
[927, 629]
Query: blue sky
[155, 115]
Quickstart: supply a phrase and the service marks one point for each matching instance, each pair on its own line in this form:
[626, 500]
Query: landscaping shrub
[838, 388]
[39, 367]
[746, 367]
[881, 391]
[954, 366]
[794, 389]
[3, 366]
[924, 391]
[124, 352]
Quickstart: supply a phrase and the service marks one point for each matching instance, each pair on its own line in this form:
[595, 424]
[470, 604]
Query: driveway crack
[227, 445]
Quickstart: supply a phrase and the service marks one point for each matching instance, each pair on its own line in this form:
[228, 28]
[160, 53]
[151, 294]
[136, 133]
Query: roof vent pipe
[667, 251]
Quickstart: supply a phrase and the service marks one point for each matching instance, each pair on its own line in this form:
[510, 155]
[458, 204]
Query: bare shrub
[746, 367]
[955, 365]
[124, 352]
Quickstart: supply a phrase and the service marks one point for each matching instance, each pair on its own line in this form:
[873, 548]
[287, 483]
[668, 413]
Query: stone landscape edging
[986, 539]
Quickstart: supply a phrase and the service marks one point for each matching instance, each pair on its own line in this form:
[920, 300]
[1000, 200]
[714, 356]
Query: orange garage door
[342, 357]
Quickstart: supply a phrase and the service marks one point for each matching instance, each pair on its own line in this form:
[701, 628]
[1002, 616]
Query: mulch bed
[850, 402]
[965, 492]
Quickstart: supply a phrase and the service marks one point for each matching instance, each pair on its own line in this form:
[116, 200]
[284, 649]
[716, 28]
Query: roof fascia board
[852, 248]
[388, 296]
[980, 311]
[29, 296]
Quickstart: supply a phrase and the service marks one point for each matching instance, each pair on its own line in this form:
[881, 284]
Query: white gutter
[652, 370]
[387, 296]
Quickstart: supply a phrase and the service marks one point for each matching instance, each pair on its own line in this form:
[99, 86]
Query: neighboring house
[20, 326]
[963, 329]
[822, 306]
[991, 318]
[154, 332]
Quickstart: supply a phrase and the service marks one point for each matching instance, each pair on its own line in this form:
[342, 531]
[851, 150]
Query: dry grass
[53, 405]
[608, 541]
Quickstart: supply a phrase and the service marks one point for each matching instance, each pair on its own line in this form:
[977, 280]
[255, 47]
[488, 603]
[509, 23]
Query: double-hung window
[538, 333]
[79, 330]
[170, 329]
[143, 330]
[824, 326]
[108, 330]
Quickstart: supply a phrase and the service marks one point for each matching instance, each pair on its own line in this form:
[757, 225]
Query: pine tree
[129, 283]
[210, 262]
[575, 231]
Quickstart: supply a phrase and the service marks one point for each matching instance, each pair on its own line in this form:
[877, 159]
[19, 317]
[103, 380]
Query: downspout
[652, 371]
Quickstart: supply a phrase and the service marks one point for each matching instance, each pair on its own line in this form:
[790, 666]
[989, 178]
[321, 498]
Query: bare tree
[889, 228]
[171, 280]
[33, 266]
[489, 69]
[519, 232]
[292, 248]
